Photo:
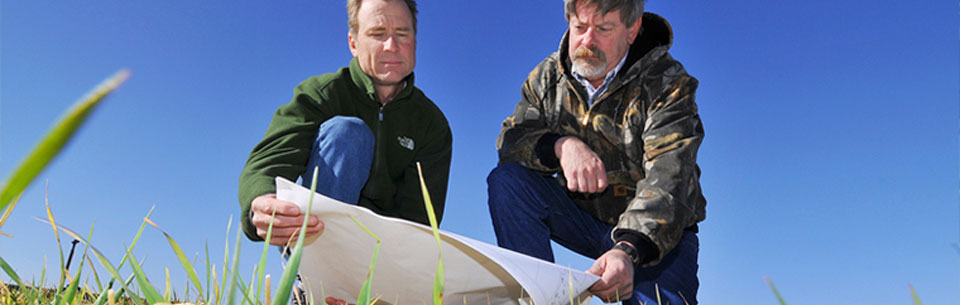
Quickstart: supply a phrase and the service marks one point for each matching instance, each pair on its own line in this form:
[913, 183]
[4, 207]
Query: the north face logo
[405, 142]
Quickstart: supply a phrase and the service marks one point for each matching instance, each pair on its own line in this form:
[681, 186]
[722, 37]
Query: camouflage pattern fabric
[644, 127]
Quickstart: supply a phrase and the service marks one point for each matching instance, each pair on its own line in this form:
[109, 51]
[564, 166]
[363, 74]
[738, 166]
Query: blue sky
[830, 161]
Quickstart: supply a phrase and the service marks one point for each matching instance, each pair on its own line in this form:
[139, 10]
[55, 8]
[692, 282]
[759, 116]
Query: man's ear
[633, 30]
[352, 42]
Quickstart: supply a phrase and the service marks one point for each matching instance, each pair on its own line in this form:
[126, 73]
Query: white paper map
[475, 272]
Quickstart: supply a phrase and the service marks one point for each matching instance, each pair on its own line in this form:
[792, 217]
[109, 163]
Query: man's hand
[286, 223]
[335, 301]
[616, 276]
[581, 166]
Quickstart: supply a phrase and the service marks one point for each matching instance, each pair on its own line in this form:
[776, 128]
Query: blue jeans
[343, 152]
[343, 155]
[529, 209]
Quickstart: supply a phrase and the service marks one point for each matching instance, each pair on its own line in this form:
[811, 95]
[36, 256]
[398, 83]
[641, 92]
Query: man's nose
[390, 44]
[588, 38]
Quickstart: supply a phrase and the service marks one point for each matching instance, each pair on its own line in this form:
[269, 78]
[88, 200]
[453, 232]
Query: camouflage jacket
[644, 127]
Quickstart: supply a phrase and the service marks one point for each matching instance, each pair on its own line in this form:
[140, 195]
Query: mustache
[591, 51]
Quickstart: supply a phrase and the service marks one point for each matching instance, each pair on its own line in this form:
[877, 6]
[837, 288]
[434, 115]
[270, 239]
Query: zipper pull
[381, 114]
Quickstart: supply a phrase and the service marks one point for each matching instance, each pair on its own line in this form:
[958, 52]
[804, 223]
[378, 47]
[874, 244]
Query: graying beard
[585, 70]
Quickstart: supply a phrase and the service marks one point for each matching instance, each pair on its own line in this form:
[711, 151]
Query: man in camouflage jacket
[612, 115]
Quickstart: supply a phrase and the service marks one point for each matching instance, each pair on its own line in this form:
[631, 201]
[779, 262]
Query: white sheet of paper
[475, 272]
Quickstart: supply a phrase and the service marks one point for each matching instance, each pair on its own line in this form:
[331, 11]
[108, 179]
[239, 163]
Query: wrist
[631, 251]
[558, 146]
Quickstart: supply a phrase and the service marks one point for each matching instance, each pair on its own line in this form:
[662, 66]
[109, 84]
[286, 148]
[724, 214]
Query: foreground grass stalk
[263, 256]
[266, 283]
[293, 263]
[149, 292]
[226, 260]
[55, 139]
[72, 289]
[96, 276]
[103, 261]
[916, 298]
[775, 291]
[7, 212]
[364, 297]
[438, 279]
[234, 269]
[12, 274]
[53, 224]
[206, 252]
[191, 272]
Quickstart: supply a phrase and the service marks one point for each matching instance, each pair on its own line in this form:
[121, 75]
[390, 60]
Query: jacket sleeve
[521, 132]
[668, 196]
[434, 160]
[283, 151]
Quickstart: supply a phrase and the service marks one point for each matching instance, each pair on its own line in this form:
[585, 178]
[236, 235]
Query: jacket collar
[655, 32]
[364, 83]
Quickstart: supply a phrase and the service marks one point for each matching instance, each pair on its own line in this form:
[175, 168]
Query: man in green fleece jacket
[364, 127]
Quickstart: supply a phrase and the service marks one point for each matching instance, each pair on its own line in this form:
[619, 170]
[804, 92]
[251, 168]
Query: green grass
[53, 143]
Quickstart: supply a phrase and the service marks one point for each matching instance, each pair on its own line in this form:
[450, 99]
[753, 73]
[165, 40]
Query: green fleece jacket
[408, 129]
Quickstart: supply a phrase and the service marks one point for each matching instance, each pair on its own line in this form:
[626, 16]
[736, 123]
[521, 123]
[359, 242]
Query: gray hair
[353, 8]
[630, 10]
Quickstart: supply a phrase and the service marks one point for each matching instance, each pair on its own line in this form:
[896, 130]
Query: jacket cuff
[544, 150]
[645, 247]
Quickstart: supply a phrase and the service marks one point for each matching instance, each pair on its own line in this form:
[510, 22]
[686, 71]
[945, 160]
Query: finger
[626, 291]
[601, 179]
[275, 239]
[572, 181]
[335, 301]
[283, 232]
[267, 205]
[261, 220]
[596, 268]
[582, 180]
[589, 182]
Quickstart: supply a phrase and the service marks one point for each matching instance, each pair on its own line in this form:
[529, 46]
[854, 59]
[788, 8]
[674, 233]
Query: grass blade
[216, 287]
[248, 295]
[266, 298]
[166, 287]
[54, 141]
[149, 292]
[916, 298]
[96, 276]
[191, 272]
[263, 255]
[438, 279]
[364, 297]
[775, 291]
[293, 263]
[105, 263]
[226, 259]
[206, 252]
[113, 272]
[6, 214]
[53, 224]
[234, 268]
[72, 289]
[12, 274]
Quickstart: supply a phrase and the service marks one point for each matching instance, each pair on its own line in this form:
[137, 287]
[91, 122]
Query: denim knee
[506, 174]
[349, 131]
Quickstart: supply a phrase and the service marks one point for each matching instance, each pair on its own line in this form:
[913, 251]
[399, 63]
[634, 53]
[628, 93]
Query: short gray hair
[630, 10]
[353, 8]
